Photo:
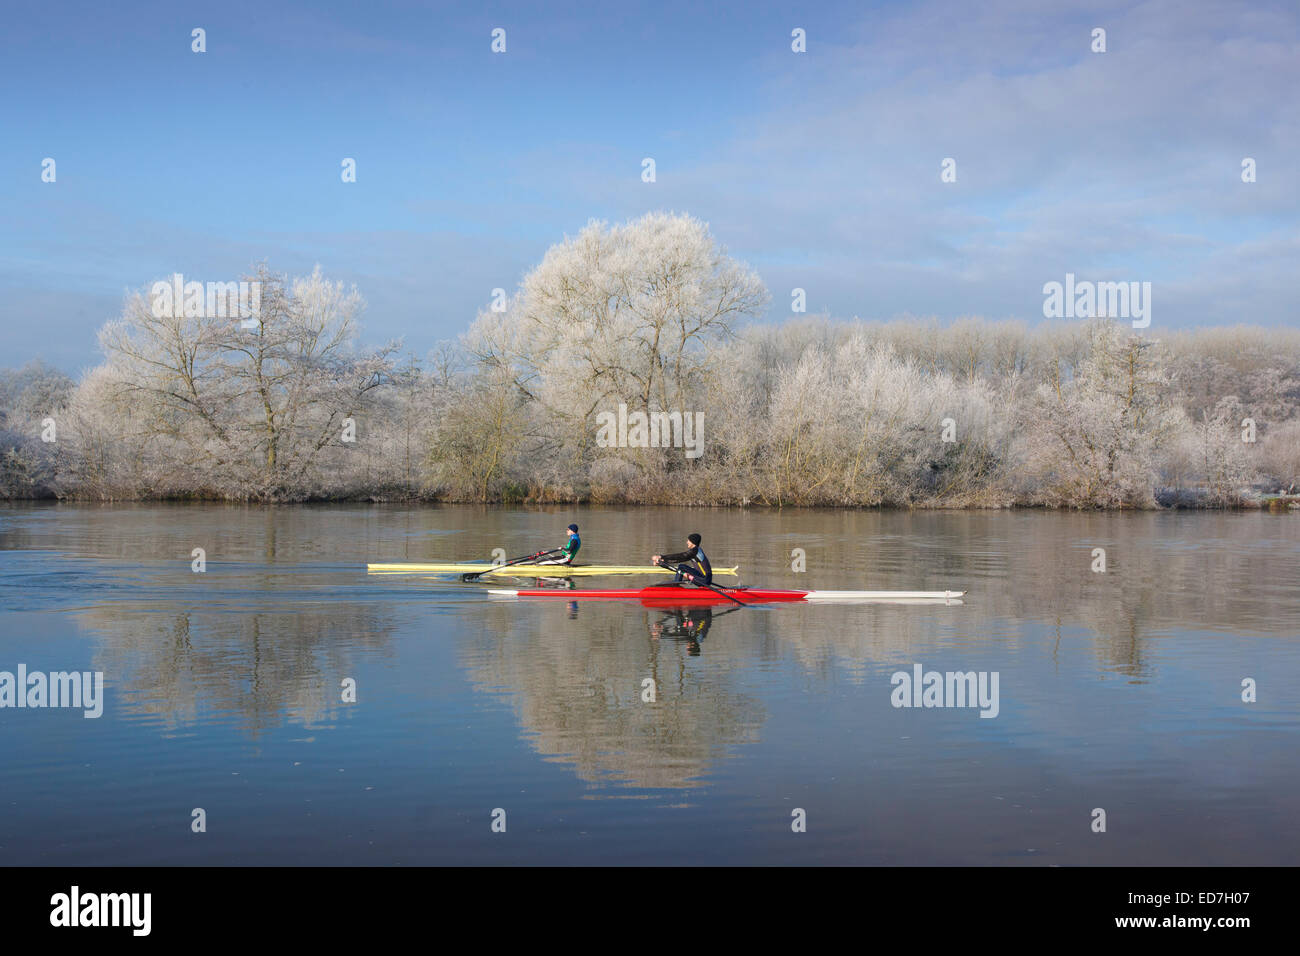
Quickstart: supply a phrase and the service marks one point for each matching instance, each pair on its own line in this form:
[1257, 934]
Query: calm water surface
[1119, 690]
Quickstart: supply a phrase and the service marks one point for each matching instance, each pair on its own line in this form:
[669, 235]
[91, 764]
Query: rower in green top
[694, 566]
[566, 554]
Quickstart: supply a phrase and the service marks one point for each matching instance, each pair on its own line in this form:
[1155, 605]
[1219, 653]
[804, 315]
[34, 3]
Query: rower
[567, 553]
[700, 573]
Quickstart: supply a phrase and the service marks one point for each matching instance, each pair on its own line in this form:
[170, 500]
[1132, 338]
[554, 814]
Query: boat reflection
[560, 584]
[556, 584]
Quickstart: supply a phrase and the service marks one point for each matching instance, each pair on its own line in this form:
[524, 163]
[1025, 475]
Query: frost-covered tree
[244, 411]
[479, 440]
[616, 314]
[29, 397]
[1279, 455]
[1098, 438]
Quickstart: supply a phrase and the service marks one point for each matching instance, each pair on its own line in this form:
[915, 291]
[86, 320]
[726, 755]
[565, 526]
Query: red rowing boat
[677, 595]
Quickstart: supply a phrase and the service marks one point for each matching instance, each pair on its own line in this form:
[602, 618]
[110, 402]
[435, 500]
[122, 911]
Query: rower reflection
[688, 624]
[562, 584]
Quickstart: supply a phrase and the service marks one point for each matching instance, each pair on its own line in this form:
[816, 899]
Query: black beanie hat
[573, 528]
[693, 538]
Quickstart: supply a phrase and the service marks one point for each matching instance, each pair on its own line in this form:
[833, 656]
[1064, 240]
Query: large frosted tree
[623, 313]
[235, 410]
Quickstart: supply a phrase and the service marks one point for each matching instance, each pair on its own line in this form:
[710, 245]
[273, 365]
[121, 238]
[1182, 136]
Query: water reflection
[579, 693]
[688, 624]
[256, 671]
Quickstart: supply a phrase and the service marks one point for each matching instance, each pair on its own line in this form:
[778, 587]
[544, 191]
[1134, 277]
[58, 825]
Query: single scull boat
[675, 595]
[526, 570]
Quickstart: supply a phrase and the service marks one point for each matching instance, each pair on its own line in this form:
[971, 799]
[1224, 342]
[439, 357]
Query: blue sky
[820, 169]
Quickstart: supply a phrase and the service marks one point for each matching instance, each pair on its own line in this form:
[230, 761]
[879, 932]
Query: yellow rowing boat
[526, 570]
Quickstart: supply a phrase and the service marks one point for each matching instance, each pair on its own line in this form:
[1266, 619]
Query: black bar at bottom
[923, 906]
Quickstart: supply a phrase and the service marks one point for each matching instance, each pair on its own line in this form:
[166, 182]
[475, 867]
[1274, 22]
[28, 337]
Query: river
[772, 738]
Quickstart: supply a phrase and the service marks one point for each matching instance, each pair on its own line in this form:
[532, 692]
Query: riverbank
[1165, 500]
[817, 413]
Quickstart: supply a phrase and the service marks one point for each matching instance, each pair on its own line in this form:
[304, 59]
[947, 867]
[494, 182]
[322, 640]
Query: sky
[820, 169]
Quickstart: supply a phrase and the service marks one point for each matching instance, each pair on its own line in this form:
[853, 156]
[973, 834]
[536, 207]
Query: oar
[713, 587]
[528, 557]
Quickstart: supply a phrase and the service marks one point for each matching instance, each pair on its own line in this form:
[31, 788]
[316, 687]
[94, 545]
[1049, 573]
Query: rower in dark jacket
[694, 566]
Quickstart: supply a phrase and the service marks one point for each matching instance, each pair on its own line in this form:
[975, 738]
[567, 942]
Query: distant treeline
[654, 316]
